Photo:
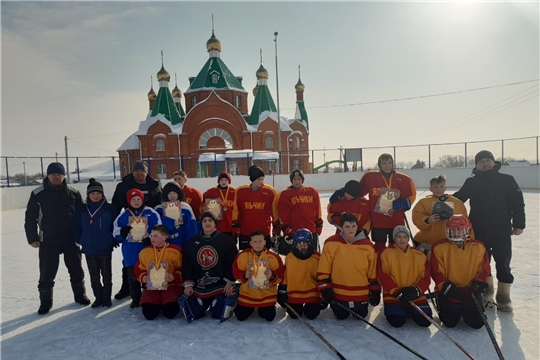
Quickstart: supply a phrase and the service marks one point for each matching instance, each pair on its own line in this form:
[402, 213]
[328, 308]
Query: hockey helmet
[458, 228]
[302, 236]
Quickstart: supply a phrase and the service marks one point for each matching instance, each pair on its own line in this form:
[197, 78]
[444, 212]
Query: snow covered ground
[74, 332]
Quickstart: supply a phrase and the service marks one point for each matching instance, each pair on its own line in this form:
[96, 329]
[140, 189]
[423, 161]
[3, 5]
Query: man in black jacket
[151, 189]
[497, 212]
[51, 208]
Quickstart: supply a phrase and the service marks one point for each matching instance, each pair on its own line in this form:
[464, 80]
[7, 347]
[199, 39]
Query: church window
[269, 142]
[213, 133]
[160, 145]
[238, 101]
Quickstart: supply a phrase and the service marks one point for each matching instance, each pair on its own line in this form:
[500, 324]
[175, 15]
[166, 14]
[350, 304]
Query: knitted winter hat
[139, 165]
[483, 155]
[134, 192]
[255, 172]
[93, 185]
[400, 229]
[353, 188]
[56, 168]
[297, 172]
[209, 214]
[172, 186]
[224, 175]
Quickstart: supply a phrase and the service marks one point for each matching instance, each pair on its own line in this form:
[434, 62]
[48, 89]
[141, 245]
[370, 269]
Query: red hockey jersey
[299, 208]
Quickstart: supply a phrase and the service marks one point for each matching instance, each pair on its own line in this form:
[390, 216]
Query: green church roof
[215, 75]
[165, 105]
[263, 102]
[301, 108]
[180, 109]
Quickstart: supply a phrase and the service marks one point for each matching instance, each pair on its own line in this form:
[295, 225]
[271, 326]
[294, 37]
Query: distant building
[216, 132]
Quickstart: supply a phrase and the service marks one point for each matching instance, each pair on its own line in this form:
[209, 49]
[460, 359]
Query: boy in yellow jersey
[459, 267]
[403, 272]
[159, 268]
[299, 286]
[259, 270]
[348, 270]
[431, 214]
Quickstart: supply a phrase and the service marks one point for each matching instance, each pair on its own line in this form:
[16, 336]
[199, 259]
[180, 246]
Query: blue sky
[82, 69]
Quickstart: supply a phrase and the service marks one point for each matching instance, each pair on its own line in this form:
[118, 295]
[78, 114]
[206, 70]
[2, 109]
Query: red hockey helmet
[458, 228]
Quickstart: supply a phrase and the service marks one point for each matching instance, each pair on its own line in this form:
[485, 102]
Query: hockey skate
[488, 295]
[230, 304]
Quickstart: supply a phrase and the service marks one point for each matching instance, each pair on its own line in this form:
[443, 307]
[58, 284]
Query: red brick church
[216, 132]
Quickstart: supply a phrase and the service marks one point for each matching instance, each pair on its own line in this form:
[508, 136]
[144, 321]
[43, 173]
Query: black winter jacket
[151, 190]
[50, 211]
[497, 203]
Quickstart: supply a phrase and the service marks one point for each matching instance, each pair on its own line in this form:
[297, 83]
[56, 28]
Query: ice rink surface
[74, 332]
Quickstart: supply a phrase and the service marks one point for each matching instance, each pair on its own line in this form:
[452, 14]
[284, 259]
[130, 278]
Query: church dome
[213, 43]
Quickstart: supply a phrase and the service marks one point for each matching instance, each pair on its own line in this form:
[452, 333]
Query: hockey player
[459, 267]
[391, 193]
[221, 199]
[192, 196]
[403, 273]
[259, 270]
[182, 227]
[431, 213]
[299, 207]
[350, 202]
[497, 213]
[299, 286]
[254, 209]
[131, 227]
[162, 261]
[207, 270]
[348, 270]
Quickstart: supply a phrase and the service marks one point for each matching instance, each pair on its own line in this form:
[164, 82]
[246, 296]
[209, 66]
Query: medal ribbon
[158, 259]
[258, 267]
[137, 219]
[226, 195]
[92, 215]
[388, 185]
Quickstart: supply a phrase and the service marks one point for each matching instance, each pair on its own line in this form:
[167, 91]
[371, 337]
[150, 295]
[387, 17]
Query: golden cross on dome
[161, 57]
[261, 55]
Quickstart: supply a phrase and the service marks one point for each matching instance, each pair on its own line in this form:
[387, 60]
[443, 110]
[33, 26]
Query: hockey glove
[402, 204]
[235, 229]
[124, 232]
[287, 232]
[477, 287]
[319, 226]
[450, 291]
[115, 244]
[282, 296]
[374, 297]
[338, 194]
[325, 290]
[407, 294]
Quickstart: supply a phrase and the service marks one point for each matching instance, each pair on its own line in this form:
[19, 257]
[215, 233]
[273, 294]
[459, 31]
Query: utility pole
[67, 159]
[278, 115]
[56, 157]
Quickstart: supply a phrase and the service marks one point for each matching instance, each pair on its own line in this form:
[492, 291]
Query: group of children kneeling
[208, 273]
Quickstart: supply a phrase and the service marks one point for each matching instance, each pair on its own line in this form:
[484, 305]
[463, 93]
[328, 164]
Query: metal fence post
[466, 160]
[429, 156]
[78, 170]
[394, 156]
[149, 168]
[114, 167]
[214, 172]
[42, 173]
[537, 151]
[7, 171]
[312, 161]
[502, 152]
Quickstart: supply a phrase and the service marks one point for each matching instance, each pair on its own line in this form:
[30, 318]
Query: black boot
[98, 293]
[79, 294]
[124, 290]
[107, 291]
[46, 301]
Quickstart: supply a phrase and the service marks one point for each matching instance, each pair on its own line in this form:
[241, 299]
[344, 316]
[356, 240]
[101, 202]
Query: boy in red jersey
[353, 203]
[220, 199]
[259, 270]
[403, 272]
[192, 196]
[348, 270]
[299, 207]
[390, 194]
[459, 267]
[254, 209]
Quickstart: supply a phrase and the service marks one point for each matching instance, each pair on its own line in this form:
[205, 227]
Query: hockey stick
[315, 332]
[488, 328]
[356, 316]
[441, 329]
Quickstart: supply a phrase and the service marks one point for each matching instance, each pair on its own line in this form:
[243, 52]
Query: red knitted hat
[134, 192]
[225, 175]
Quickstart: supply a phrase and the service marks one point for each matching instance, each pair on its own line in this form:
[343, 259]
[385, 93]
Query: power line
[422, 96]
[93, 147]
[93, 136]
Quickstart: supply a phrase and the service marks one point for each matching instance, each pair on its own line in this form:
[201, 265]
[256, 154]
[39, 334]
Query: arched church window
[160, 145]
[215, 139]
[269, 142]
